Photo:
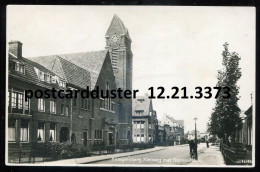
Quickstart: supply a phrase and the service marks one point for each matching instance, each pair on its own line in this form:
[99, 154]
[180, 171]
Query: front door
[85, 137]
[110, 138]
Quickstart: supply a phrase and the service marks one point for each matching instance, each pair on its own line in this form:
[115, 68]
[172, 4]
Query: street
[172, 155]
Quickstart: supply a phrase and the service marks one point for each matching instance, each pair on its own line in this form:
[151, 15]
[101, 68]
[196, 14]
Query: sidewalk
[87, 160]
[208, 156]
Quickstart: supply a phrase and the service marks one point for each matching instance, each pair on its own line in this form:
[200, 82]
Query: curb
[121, 156]
[112, 156]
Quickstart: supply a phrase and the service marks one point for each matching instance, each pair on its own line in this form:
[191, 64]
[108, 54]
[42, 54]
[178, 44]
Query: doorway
[64, 134]
[85, 138]
[110, 138]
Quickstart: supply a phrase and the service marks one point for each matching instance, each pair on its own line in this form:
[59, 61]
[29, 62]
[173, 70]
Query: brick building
[81, 120]
[35, 120]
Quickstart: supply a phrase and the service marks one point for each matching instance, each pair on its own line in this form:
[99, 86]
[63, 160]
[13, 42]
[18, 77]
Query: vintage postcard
[130, 86]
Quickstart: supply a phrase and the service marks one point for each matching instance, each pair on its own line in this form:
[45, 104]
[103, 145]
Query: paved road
[172, 155]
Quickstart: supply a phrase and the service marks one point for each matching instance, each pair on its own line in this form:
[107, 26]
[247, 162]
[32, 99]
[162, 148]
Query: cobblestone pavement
[172, 155]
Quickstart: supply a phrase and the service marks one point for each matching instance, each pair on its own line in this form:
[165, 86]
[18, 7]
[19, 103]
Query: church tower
[118, 43]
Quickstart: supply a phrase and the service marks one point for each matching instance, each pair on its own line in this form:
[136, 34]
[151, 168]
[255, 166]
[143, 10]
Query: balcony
[20, 111]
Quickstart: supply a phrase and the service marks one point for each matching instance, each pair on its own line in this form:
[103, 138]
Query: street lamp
[196, 152]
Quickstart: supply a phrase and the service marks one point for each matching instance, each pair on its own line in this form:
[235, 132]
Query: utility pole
[196, 151]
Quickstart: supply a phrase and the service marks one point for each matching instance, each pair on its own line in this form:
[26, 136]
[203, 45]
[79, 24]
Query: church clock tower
[118, 43]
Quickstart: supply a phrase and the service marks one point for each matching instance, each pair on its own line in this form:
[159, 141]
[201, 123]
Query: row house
[35, 120]
[144, 120]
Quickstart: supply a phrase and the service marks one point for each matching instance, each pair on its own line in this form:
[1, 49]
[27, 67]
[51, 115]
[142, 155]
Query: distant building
[244, 132]
[144, 120]
[191, 135]
[174, 130]
[160, 133]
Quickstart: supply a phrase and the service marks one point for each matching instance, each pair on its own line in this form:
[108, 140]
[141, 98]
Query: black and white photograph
[132, 86]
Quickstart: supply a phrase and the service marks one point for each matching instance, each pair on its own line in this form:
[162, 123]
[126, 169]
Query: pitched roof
[89, 61]
[118, 26]
[30, 74]
[181, 122]
[75, 74]
[144, 105]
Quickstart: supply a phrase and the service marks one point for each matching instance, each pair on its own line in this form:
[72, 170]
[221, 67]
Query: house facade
[174, 130]
[35, 120]
[144, 120]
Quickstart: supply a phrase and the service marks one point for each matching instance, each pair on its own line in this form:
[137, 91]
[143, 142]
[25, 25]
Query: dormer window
[62, 83]
[139, 112]
[47, 77]
[16, 66]
[140, 100]
[41, 75]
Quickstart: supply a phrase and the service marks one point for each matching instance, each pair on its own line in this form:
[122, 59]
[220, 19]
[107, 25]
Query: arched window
[108, 100]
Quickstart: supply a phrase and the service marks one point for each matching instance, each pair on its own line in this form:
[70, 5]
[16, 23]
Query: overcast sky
[172, 46]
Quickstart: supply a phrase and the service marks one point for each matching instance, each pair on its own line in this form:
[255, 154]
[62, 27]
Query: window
[17, 100]
[139, 112]
[138, 124]
[52, 132]
[107, 103]
[113, 106]
[62, 109]
[67, 110]
[150, 137]
[11, 130]
[8, 99]
[20, 101]
[142, 124]
[150, 125]
[150, 113]
[19, 67]
[142, 137]
[40, 132]
[62, 83]
[47, 78]
[27, 104]
[41, 75]
[98, 134]
[53, 107]
[102, 103]
[85, 104]
[24, 131]
[14, 99]
[138, 139]
[140, 100]
[41, 105]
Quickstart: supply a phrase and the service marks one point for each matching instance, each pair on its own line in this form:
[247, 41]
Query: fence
[42, 154]
[236, 155]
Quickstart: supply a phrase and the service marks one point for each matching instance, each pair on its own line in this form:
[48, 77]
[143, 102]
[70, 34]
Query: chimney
[15, 47]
